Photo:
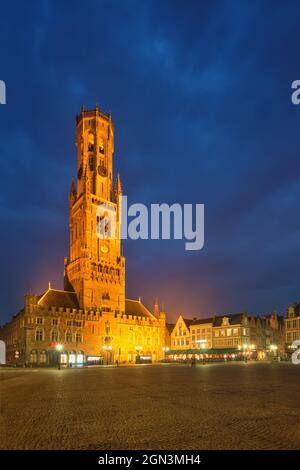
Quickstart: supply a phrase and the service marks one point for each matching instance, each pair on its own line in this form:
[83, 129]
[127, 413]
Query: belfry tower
[95, 269]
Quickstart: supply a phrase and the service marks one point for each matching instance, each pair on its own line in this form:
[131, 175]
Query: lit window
[68, 336]
[43, 357]
[78, 337]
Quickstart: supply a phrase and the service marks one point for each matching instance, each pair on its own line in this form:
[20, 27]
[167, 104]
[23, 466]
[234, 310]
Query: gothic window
[39, 334]
[68, 336]
[39, 320]
[101, 147]
[107, 327]
[91, 141]
[54, 335]
[91, 163]
[78, 337]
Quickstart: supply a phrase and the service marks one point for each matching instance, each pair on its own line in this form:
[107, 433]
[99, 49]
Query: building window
[39, 320]
[54, 321]
[54, 335]
[68, 336]
[33, 357]
[43, 357]
[78, 337]
[39, 334]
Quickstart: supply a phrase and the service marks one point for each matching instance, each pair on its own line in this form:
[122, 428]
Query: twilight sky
[200, 93]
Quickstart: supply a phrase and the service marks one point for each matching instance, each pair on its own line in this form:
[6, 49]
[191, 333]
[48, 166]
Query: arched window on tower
[101, 146]
[91, 142]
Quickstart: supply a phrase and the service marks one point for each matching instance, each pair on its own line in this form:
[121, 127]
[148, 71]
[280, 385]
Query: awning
[203, 351]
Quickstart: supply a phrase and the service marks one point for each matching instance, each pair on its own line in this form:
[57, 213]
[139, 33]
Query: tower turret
[96, 266]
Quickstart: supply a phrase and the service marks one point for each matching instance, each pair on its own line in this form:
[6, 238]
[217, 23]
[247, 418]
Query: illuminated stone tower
[96, 267]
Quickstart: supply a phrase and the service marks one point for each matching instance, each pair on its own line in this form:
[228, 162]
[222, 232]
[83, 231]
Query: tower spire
[118, 186]
[73, 192]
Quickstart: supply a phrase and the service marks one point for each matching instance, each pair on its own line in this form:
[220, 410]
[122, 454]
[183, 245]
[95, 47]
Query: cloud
[200, 97]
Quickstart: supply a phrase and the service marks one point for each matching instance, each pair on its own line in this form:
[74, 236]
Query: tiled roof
[135, 307]
[201, 321]
[188, 321]
[66, 299]
[58, 298]
[170, 327]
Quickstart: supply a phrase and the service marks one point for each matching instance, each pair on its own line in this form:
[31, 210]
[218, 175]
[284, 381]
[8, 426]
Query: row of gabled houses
[234, 336]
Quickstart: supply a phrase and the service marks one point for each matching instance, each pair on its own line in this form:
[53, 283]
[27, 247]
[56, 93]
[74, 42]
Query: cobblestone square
[212, 406]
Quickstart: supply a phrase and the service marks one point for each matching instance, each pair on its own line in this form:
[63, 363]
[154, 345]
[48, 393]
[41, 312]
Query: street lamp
[59, 348]
[138, 350]
[274, 348]
[245, 347]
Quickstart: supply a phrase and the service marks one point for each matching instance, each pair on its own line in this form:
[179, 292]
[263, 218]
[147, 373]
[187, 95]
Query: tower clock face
[104, 249]
[102, 171]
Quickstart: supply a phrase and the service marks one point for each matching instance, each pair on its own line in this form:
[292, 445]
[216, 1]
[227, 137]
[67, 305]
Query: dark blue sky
[200, 96]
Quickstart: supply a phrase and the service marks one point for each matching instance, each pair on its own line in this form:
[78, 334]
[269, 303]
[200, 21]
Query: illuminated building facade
[229, 336]
[90, 321]
[292, 324]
